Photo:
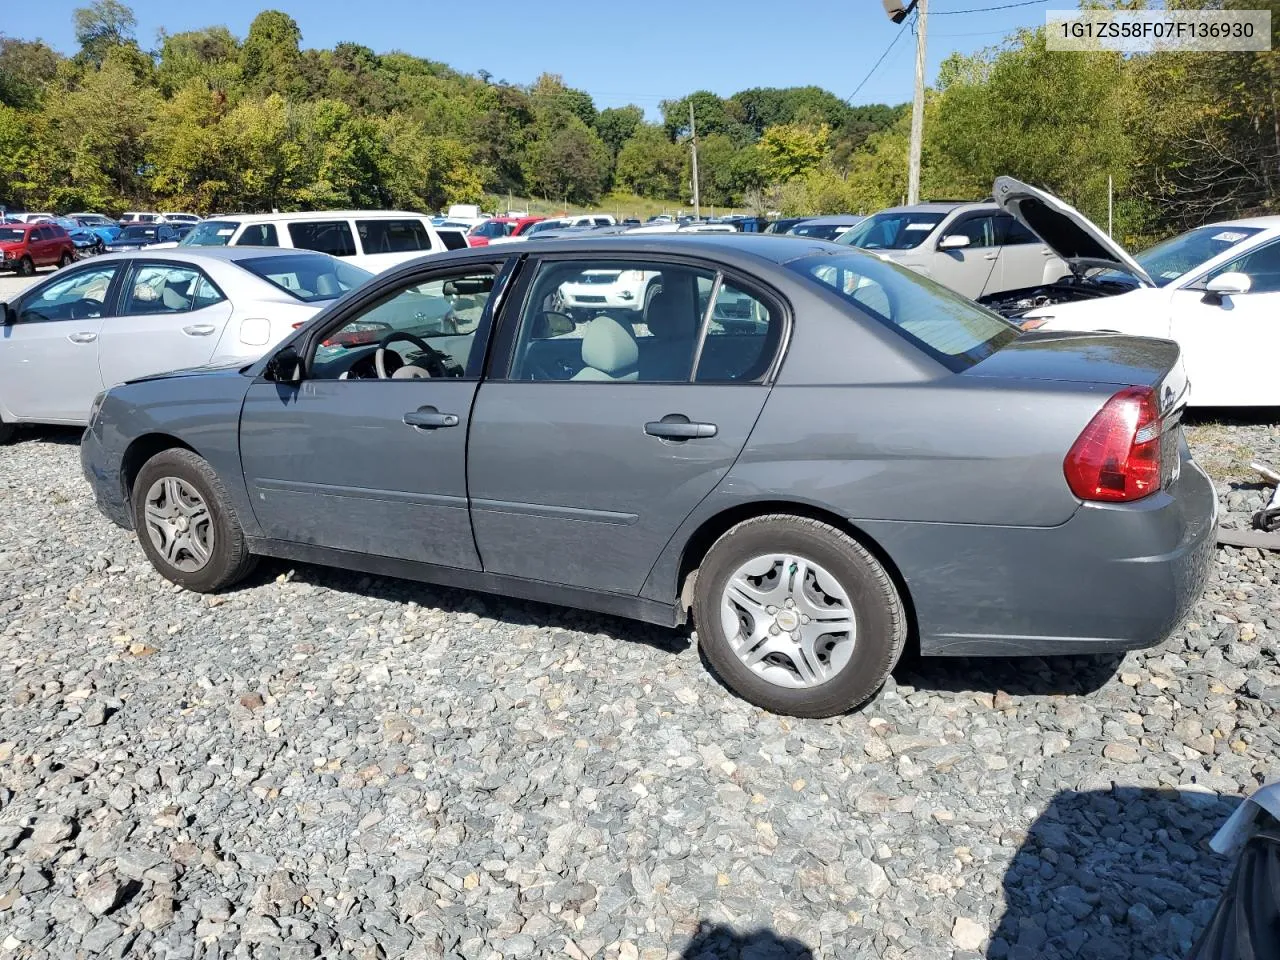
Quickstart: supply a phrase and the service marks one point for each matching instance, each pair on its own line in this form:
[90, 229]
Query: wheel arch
[140, 450]
[718, 524]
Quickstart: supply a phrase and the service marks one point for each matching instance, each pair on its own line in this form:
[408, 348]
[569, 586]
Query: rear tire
[26, 267]
[186, 523]
[65, 260]
[829, 641]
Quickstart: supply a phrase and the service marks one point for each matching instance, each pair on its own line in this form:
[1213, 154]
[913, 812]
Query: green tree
[792, 149]
[571, 164]
[617, 125]
[269, 58]
[651, 165]
[26, 68]
[103, 25]
[211, 55]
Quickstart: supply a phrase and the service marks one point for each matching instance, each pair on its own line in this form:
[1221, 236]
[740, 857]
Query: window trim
[134, 266]
[512, 313]
[968, 217]
[369, 297]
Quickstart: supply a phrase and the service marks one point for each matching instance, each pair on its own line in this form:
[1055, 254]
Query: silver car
[976, 249]
[121, 316]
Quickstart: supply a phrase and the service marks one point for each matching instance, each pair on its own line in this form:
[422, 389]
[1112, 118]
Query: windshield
[951, 329]
[547, 225]
[819, 231]
[12, 234]
[307, 277]
[1167, 261]
[211, 233]
[493, 228]
[139, 233]
[892, 231]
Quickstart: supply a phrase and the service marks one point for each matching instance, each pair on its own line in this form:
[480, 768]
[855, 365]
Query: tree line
[211, 122]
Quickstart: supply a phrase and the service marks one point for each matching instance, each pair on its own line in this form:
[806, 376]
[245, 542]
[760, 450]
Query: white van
[372, 239]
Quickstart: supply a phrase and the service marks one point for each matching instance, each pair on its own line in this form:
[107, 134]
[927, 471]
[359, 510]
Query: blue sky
[619, 52]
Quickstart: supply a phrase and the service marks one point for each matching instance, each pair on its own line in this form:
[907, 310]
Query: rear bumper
[1113, 577]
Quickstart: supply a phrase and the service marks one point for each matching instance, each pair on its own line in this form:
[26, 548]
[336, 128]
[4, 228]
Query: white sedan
[1214, 289]
[122, 316]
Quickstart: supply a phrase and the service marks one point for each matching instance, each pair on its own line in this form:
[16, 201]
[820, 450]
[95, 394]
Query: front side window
[892, 231]
[1167, 261]
[1261, 266]
[393, 236]
[981, 231]
[953, 330]
[260, 235]
[326, 236]
[426, 329]
[309, 277]
[162, 288]
[80, 296]
[646, 322]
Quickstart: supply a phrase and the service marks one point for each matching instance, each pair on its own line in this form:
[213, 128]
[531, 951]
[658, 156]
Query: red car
[25, 246]
[496, 227]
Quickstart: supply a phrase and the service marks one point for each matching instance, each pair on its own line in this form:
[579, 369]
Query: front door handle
[676, 426]
[429, 418]
[86, 337]
[990, 256]
[199, 329]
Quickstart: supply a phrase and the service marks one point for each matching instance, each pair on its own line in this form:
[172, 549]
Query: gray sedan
[122, 316]
[817, 456]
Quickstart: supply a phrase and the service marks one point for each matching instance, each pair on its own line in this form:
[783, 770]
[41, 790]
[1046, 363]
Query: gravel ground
[325, 764]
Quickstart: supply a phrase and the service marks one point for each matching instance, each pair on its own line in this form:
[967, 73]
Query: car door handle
[990, 256]
[199, 329]
[85, 337]
[676, 426]
[429, 418]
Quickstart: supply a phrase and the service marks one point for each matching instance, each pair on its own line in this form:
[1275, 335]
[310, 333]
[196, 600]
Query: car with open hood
[1215, 290]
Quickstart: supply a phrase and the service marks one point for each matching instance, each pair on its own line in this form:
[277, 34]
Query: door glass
[453, 239]
[611, 320]
[161, 288]
[980, 231]
[257, 235]
[1262, 266]
[327, 236]
[428, 329]
[76, 297]
[741, 340]
[393, 236]
[1015, 233]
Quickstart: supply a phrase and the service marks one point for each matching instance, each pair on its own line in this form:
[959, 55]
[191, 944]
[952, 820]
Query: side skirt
[634, 608]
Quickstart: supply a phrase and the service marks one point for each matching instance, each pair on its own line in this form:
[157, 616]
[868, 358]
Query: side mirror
[953, 241]
[285, 366]
[8, 315]
[1229, 284]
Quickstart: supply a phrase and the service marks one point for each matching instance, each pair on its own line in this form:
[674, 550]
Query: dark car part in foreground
[816, 453]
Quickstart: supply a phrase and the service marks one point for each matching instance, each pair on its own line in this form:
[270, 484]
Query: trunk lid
[1070, 234]
[1081, 357]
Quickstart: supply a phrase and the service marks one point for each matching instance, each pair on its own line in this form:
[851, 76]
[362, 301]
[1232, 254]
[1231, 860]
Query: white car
[122, 316]
[611, 290]
[1214, 289]
[135, 216]
[29, 217]
[180, 218]
[372, 239]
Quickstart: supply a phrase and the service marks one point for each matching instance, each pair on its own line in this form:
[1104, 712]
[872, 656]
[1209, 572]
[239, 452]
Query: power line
[896, 37]
[1003, 6]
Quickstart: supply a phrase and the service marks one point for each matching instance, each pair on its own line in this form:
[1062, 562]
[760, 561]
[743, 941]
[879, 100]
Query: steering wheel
[85, 309]
[431, 365]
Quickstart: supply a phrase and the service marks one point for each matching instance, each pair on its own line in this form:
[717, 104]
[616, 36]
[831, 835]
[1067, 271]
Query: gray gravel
[326, 764]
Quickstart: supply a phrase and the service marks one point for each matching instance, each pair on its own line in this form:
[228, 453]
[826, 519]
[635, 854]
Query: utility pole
[917, 108]
[693, 136]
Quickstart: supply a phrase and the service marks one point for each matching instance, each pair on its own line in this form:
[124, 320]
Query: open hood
[1071, 234]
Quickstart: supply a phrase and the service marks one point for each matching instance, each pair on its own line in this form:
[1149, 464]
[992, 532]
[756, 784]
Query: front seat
[326, 285]
[609, 352]
[668, 353]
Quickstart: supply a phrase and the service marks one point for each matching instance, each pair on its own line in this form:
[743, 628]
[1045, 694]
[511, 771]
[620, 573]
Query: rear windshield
[211, 233]
[307, 277]
[819, 231]
[892, 231]
[492, 229]
[953, 330]
[139, 233]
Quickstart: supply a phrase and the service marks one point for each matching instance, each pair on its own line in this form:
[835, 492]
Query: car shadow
[47, 433]
[716, 941]
[524, 613]
[1017, 676]
[1118, 874]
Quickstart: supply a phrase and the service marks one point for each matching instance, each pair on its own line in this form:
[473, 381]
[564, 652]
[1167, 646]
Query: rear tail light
[1117, 457]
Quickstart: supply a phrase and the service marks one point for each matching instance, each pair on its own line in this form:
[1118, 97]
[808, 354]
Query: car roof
[774, 248]
[1262, 223]
[197, 254]
[836, 218]
[942, 206]
[319, 215]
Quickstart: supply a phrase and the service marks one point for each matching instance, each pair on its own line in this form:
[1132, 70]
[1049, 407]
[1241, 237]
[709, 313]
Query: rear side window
[951, 329]
[393, 236]
[1013, 232]
[169, 289]
[741, 339]
[453, 239]
[326, 236]
[259, 235]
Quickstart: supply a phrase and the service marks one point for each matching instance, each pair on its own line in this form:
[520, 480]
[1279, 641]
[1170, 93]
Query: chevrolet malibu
[872, 461]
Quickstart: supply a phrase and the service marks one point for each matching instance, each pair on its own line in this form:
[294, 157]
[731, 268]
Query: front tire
[65, 260]
[26, 267]
[797, 617]
[186, 523]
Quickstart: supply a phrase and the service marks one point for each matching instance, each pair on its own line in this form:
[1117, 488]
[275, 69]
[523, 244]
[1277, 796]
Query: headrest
[609, 347]
[669, 318]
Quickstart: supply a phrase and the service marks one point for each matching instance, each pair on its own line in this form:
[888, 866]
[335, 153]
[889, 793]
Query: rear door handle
[429, 418]
[676, 426]
[82, 337]
[199, 329]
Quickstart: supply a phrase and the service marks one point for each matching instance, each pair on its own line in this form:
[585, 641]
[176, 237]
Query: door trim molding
[550, 512]
[361, 493]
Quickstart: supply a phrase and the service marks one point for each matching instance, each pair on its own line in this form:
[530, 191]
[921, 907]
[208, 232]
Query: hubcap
[789, 620]
[179, 524]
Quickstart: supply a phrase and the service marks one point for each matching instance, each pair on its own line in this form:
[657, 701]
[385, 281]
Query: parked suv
[25, 246]
[976, 249]
[372, 239]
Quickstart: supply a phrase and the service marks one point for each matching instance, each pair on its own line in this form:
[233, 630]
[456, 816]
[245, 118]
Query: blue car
[103, 227]
[87, 242]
